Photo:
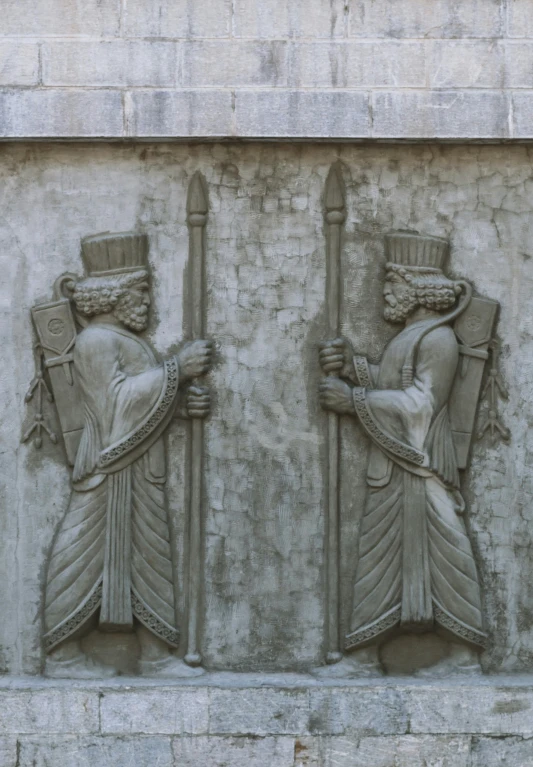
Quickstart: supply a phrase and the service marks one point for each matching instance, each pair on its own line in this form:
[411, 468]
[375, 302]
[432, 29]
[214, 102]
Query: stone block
[522, 114]
[279, 18]
[60, 113]
[429, 18]
[440, 114]
[316, 114]
[358, 710]
[519, 18]
[76, 751]
[171, 19]
[519, 65]
[159, 711]
[110, 64]
[58, 18]
[237, 752]
[474, 710]
[403, 751]
[200, 113]
[465, 64]
[357, 65]
[502, 752]
[19, 63]
[258, 712]
[222, 63]
[49, 711]
[8, 752]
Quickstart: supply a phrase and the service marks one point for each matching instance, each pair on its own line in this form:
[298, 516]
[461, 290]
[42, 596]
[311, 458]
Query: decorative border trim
[149, 619]
[362, 372]
[367, 633]
[456, 627]
[71, 624]
[129, 443]
[385, 441]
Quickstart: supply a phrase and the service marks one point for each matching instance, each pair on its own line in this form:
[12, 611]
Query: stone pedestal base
[253, 720]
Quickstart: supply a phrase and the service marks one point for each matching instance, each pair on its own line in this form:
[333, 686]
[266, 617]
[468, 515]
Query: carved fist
[335, 395]
[336, 358]
[195, 359]
[198, 402]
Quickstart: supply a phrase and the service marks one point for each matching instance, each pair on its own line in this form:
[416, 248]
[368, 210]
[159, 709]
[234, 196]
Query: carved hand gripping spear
[197, 219]
[335, 215]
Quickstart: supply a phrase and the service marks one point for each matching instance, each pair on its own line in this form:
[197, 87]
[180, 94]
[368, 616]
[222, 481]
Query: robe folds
[415, 567]
[112, 550]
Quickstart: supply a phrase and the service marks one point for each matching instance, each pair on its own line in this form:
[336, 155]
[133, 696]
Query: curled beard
[134, 318]
[400, 312]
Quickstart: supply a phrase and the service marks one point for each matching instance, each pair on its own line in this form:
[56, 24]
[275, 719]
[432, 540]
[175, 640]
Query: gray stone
[61, 18]
[233, 64]
[279, 19]
[258, 712]
[76, 751]
[49, 711]
[502, 752]
[8, 752]
[359, 710]
[19, 63]
[159, 711]
[200, 113]
[440, 114]
[60, 113]
[519, 19]
[357, 64]
[443, 18]
[521, 116]
[320, 114]
[167, 19]
[466, 64]
[110, 64]
[237, 752]
[519, 64]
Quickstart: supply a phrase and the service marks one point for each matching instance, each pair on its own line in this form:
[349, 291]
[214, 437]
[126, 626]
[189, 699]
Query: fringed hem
[152, 622]
[71, 624]
[372, 630]
[458, 628]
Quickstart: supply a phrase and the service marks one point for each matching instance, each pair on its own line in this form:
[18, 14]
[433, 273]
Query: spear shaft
[197, 209]
[335, 215]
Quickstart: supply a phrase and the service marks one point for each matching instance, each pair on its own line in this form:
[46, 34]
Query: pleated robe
[415, 566]
[112, 551]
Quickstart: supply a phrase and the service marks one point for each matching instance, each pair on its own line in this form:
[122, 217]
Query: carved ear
[64, 285]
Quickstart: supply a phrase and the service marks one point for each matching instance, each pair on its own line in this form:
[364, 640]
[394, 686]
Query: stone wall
[450, 69]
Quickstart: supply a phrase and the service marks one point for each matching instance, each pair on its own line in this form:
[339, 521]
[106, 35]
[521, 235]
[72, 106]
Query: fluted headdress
[106, 253]
[416, 250]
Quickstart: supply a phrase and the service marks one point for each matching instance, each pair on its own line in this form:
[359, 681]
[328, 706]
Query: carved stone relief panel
[268, 503]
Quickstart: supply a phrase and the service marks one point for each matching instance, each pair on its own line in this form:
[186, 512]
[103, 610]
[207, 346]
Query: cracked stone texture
[265, 442]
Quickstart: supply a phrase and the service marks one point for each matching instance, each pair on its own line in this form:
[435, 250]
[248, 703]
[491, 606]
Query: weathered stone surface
[366, 711]
[61, 18]
[8, 751]
[280, 19]
[19, 63]
[440, 114]
[169, 113]
[466, 64]
[519, 19]
[357, 64]
[59, 113]
[443, 18]
[49, 711]
[177, 712]
[320, 114]
[259, 712]
[237, 752]
[76, 751]
[522, 114]
[404, 751]
[502, 752]
[168, 19]
[234, 64]
[110, 64]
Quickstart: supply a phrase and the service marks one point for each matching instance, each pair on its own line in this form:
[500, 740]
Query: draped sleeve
[121, 409]
[399, 420]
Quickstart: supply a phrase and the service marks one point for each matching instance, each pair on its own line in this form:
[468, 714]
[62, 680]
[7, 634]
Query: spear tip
[197, 195]
[334, 197]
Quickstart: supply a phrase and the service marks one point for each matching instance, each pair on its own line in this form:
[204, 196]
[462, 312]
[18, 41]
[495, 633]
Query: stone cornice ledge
[275, 114]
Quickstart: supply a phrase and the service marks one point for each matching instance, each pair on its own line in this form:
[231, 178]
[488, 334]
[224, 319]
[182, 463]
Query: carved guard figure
[111, 559]
[416, 569]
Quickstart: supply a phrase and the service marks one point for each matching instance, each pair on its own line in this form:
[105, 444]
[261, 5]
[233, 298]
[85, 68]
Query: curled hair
[428, 287]
[100, 295]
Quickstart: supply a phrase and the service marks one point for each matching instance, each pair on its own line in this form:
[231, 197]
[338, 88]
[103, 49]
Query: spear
[334, 215]
[196, 218]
